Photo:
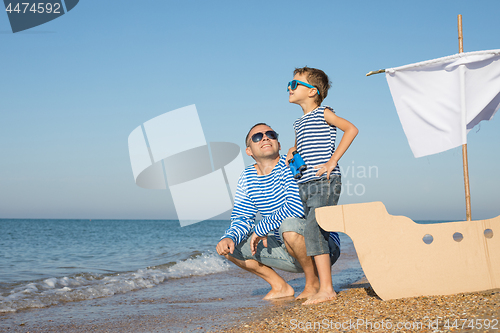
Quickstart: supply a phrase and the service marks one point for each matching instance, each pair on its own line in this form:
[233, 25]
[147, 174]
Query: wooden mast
[464, 146]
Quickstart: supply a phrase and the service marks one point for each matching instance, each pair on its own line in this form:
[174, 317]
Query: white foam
[51, 283]
[201, 265]
[55, 290]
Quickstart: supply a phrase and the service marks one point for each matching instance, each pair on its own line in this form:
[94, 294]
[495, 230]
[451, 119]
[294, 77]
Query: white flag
[438, 101]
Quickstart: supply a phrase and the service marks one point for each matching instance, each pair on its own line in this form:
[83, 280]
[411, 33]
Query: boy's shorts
[275, 254]
[314, 194]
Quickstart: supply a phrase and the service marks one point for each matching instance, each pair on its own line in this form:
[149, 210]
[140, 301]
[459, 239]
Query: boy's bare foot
[321, 296]
[308, 292]
[285, 291]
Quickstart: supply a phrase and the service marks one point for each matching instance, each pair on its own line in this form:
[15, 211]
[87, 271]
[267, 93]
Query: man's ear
[248, 151]
[279, 146]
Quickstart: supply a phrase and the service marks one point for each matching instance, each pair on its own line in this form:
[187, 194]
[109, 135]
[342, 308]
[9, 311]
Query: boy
[320, 185]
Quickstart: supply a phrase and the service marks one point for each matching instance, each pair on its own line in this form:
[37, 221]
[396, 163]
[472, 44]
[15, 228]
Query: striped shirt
[315, 142]
[276, 196]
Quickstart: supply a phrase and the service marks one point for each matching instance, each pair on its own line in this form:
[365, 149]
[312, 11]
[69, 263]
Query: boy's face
[301, 93]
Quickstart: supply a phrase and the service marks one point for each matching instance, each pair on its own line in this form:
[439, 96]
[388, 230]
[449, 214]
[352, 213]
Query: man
[277, 240]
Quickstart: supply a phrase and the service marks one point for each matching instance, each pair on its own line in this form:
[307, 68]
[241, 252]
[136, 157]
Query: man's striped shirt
[315, 142]
[276, 196]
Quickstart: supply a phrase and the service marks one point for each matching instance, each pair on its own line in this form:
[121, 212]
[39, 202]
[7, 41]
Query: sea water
[47, 261]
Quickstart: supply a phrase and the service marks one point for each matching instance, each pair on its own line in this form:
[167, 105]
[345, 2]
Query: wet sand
[177, 306]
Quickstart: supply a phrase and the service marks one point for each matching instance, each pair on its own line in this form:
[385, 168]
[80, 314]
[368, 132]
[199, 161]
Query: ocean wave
[87, 286]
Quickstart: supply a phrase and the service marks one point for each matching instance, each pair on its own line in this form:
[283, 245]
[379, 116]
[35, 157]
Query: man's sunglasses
[294, 83]
[270, 134]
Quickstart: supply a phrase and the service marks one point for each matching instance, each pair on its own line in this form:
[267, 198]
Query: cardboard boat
[401, 258]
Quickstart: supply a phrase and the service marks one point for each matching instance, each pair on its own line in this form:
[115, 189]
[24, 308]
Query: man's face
[265, 148]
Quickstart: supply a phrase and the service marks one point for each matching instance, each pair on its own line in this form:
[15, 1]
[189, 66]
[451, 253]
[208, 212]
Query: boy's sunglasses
[294, 83]
[270, 134]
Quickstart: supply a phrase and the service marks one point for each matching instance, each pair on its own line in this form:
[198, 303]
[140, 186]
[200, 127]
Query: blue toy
[297, 165]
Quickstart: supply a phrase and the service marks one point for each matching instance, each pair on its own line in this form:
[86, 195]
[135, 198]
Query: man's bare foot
[308, 292]
[285, 291]
[321, 296]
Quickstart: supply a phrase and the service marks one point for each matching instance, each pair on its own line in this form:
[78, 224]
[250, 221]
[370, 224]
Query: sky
[73, 89]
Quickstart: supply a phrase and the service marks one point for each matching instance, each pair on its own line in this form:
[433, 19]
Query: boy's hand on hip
[327, 167]
[254, 241]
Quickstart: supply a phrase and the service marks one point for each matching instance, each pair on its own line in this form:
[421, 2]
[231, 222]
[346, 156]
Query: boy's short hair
[317, 78]
[247, 143]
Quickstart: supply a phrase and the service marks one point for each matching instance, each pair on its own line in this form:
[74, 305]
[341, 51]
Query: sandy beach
[359, 309]
[356, 309]
[230, 300]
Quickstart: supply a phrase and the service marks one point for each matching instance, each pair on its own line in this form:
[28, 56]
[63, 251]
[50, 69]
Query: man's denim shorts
[275, 254]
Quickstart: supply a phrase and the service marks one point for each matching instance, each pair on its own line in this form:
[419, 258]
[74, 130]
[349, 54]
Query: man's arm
[289, 155]
[243, 215]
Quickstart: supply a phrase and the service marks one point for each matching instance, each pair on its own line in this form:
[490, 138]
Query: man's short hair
[247, 139]
[317, 78]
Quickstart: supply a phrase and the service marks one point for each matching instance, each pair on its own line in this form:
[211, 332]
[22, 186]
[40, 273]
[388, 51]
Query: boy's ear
[313, 92]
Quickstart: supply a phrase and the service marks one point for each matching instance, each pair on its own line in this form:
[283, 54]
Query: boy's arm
[350, 132]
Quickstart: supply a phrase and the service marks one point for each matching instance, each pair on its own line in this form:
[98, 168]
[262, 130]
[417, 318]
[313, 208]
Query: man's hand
[225, 246]
[327, 167]
[254, 241]
[289, 155]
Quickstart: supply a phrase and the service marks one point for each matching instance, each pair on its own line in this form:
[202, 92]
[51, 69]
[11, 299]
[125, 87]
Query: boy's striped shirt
[315, 142]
